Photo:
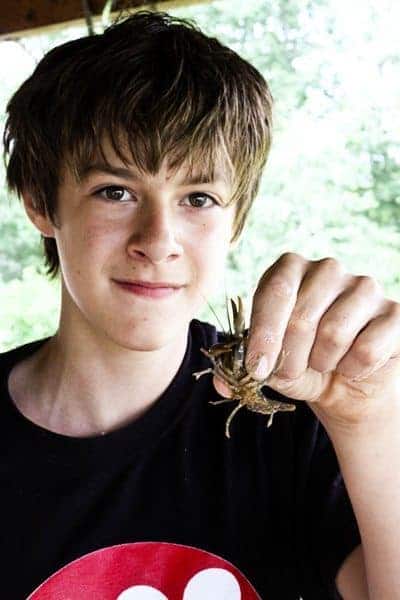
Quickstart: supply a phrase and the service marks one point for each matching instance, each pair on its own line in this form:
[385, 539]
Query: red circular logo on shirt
[147, 571]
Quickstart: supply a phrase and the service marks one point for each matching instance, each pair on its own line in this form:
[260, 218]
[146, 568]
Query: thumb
[309, 386]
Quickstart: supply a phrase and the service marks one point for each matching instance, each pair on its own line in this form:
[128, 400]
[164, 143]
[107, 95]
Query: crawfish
[228, 364]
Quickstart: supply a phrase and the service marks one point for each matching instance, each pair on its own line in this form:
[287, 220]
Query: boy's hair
[152, 83]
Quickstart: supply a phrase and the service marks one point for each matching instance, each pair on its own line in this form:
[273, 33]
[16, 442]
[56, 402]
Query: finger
[222, 388]
[377, 343]
[323, 283]
[273, 303]
[343, 322]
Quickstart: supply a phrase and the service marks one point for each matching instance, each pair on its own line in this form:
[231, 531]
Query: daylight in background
[332, 183]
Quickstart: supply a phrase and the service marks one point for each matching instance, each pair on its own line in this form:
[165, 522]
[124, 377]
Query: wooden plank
[30, 17]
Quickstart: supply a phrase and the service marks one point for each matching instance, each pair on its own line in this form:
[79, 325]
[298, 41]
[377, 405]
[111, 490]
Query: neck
[82, 386]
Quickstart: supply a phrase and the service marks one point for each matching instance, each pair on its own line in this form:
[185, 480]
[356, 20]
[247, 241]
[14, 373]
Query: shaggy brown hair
[154, 82]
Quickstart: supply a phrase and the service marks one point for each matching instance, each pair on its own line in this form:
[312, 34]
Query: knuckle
[300, 325]
[290, 257]
[317, 362]
[368, 284]
[270, 337]
[366, 354]
[333, 335]
[281, 286]
[331, 264]
[290, 372]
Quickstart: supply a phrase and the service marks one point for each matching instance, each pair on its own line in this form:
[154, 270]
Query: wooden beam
[30, 17]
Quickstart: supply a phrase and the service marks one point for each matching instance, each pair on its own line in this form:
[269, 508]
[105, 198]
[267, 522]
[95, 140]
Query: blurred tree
[382, 183]
[19, 241]
[32, 307]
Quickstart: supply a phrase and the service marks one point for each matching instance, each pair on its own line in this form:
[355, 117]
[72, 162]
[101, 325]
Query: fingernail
[259, 369]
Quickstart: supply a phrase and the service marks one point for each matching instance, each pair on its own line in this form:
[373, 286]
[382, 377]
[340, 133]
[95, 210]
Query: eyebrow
[132, 175]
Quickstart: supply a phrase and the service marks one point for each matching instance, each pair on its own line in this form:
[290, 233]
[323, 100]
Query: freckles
[95, 234]
[202, 230]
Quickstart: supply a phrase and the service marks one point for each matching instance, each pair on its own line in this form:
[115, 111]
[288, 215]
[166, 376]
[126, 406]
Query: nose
[154, 238]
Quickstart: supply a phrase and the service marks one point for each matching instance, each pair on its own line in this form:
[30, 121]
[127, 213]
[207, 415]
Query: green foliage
[20, 242]
[332, 185]
[383, 179]
[31, 309]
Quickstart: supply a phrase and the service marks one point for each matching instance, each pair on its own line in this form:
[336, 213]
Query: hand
[334, 337]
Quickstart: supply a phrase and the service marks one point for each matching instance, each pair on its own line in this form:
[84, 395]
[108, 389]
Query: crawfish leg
[221, 401]
[222, 375]
[275, 410]
[200, 373]
[227, 377]
[229, 419]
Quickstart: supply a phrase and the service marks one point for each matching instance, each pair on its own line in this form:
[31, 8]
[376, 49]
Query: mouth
[150, 284]
[148, 289]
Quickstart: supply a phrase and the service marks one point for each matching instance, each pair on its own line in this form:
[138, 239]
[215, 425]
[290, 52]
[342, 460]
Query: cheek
[211, 250]
[85, 246]
[99, 239]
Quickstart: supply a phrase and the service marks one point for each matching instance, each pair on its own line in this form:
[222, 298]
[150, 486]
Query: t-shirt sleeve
[327, 530]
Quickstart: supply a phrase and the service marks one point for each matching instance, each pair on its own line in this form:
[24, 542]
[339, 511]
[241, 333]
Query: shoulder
[22, 350]
[14, 365]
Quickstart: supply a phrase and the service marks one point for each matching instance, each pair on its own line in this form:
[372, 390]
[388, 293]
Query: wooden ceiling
[19, 18]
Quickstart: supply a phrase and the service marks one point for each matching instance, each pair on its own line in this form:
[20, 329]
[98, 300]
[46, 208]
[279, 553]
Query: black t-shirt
[269, 501]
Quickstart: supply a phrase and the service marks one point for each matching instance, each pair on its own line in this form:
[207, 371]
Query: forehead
[130, 172]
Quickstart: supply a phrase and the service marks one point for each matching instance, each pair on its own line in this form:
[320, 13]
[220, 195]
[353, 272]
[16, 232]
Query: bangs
[203, 160]
[182, 106]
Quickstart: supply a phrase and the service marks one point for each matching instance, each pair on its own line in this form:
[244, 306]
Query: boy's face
[153, 228]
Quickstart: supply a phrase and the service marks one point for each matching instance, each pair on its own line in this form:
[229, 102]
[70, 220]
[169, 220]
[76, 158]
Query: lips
[150, 284]
[149, 289]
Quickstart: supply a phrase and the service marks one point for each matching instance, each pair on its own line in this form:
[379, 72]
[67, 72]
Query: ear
[40, 221]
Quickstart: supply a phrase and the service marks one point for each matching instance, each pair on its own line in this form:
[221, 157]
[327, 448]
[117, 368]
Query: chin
[149, 339]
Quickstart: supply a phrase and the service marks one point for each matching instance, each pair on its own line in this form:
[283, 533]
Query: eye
[196, 201]
[114, 193]
[117, 193]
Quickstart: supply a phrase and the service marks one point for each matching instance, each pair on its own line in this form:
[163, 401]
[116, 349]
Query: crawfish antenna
[227, 308]
[213, 311]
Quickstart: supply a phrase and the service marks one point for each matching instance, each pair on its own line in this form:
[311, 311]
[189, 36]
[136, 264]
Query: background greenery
[332, 184]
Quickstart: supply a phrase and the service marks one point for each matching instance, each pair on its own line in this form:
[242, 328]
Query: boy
[117, 479]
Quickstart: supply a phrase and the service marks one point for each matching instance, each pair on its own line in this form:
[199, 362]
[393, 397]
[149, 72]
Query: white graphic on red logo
[147, 571]
[218, 584]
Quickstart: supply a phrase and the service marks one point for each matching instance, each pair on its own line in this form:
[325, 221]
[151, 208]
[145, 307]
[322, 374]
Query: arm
[370, 465]
[340, 342]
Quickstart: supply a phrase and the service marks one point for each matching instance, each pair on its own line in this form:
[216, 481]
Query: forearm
[370, 464]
